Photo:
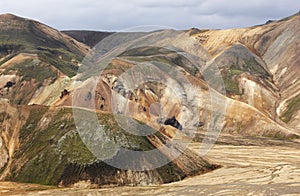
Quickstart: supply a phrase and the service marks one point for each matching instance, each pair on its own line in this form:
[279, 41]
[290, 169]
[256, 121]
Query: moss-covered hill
[47, 149]
[23, 35]
[36, 61]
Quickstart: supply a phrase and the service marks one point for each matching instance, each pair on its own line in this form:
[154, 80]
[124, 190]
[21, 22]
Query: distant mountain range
[90, 38]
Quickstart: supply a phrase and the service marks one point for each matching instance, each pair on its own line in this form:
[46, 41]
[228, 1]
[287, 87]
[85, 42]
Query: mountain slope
[90, 38]
[34, 57]
[41, 145]
[27, 36]
[276, 47]
[260, 60]
[39, 140]
[44, 75]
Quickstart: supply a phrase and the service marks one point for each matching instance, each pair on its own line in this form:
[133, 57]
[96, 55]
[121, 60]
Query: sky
[116, 15]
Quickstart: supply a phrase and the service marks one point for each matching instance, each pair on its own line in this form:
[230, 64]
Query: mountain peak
[8, 16]
[10, 21]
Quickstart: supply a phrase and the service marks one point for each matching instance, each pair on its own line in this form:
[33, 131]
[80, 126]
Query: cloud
[167, 3]
[178, 14]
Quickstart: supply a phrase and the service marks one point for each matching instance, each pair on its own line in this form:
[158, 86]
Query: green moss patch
[293, 106]
[33, 69]
[231, 73]
[47, 151]
[52, 151]
[63, 60]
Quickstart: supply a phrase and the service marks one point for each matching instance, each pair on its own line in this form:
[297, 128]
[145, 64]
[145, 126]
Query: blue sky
[114, 15]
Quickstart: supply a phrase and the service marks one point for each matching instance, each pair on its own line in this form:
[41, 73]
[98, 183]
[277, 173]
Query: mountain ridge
[39, 83]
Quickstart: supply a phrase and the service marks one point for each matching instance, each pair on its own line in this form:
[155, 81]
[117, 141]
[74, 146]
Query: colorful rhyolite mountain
[41, 76]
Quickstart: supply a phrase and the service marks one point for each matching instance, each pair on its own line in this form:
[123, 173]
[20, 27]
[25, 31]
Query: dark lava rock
[173, 122]
[64, 93]
[9, 84]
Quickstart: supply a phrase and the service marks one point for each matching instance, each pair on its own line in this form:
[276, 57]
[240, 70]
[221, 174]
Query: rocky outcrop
[173, 122]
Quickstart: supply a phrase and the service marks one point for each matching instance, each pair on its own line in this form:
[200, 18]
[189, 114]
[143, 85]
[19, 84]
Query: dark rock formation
[173, 122]
[270, 21]
[9, 84]
[64, 93]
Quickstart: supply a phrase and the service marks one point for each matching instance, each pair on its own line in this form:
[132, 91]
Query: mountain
[90, 38]
[39, 139]
[270, 53]
[250, 55]
[34, 56]
[147, 90]
[24, 35]
[42, 145]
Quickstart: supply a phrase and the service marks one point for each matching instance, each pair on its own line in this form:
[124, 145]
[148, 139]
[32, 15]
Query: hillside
[251, 65]
[34, 56]
[270, 53]
[90, 38]
[28, 36]
[53, 153]
[156, 90]
[38, 130]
